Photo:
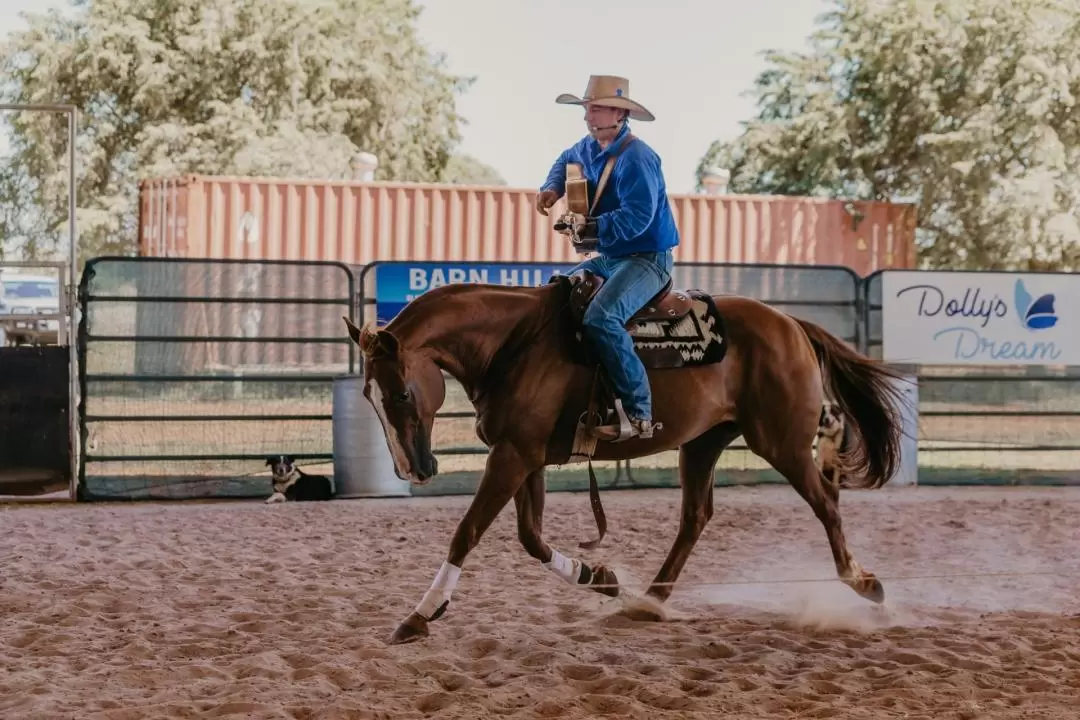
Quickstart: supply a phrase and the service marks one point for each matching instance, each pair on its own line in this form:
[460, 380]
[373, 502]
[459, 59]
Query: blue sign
[397, 284]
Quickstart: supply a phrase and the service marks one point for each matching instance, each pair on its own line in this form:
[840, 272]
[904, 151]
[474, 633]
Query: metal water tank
[362, 463]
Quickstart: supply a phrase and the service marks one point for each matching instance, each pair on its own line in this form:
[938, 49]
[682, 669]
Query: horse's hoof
[413, 628]
[606, 579]
[871, 588]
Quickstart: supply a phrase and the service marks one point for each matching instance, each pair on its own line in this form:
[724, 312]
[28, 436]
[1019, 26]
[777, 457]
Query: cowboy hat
[610, 91]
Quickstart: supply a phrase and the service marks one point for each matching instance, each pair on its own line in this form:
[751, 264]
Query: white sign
[967, 318]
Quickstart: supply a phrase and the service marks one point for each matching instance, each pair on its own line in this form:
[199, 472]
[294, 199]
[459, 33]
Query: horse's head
[406, 389]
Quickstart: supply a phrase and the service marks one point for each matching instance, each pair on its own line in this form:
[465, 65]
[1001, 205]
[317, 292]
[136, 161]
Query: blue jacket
[633, 214]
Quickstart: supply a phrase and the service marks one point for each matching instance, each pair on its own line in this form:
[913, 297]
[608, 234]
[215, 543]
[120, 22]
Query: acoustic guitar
[577, 207]
[577, 190]
[577, 198]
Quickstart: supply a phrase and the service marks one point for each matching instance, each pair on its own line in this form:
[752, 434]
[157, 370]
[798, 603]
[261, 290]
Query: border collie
[291, 483]
[830, 443]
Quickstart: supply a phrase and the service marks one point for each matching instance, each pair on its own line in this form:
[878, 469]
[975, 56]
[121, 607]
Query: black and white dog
[291, 483]
[831, 442]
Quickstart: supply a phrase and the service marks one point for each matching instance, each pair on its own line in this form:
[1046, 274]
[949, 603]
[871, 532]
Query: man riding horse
[510, 350]
[632, 229]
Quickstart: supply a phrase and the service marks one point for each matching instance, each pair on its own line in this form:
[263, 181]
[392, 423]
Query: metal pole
[73, 304]
[73, 273]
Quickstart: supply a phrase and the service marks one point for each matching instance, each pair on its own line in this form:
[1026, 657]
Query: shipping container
[359, 222]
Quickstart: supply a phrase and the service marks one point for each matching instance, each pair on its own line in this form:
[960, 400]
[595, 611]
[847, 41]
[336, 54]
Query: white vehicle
[29, 295]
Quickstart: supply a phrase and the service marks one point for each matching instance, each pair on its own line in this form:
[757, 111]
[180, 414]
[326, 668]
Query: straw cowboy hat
[610, 91]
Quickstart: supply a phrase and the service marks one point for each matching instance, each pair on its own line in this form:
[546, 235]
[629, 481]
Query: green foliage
[239, 87]
[467, 170]
[969, 108]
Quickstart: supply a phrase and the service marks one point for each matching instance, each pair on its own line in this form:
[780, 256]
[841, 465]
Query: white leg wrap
[441, 588]
[566, 568]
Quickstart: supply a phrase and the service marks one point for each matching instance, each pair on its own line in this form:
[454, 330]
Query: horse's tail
[862, 387]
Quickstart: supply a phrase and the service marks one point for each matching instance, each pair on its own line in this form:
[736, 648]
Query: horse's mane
[557, 291]
[441, 294]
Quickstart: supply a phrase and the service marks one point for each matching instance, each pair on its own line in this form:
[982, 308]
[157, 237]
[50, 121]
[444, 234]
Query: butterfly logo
[1035, 314]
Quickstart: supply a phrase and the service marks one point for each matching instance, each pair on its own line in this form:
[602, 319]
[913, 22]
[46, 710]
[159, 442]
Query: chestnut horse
[511, 348]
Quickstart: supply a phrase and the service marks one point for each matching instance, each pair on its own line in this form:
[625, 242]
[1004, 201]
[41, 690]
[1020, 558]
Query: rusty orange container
[359, 222]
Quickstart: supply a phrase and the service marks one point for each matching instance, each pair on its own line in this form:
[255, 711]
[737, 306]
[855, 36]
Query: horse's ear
[366, 339]
[354, 332]
[380, 342]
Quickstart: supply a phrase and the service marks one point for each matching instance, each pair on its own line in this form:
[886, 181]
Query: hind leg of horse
[503, 476]
[797, 465]
[529, 502]
[697, 460]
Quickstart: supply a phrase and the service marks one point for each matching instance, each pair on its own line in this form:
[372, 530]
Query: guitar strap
[602, 183]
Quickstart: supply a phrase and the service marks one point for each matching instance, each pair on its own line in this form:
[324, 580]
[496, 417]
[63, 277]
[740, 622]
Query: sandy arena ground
[207, 610]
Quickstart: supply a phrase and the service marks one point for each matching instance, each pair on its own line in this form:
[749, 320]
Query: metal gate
[194, 371]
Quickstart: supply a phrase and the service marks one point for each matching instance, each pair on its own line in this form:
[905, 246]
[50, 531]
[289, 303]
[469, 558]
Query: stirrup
[624, 430]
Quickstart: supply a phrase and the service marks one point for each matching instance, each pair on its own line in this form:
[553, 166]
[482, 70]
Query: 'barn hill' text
[422, 279]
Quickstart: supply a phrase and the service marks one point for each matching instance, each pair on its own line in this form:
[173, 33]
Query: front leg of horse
[502, 477]
[529, 502]
[431, 607]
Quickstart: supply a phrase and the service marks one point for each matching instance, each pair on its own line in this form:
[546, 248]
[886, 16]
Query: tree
[467, 170]
[246, 87]
[969, 108]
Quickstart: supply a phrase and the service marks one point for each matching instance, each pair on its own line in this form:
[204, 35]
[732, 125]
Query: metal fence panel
[871, 317]
[824, 294]
[195, 370]
[827, 295]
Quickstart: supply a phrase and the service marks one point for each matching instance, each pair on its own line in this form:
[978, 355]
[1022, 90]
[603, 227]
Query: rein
[592, 418]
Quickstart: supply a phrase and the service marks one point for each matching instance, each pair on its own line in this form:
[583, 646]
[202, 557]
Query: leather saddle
[666, 306]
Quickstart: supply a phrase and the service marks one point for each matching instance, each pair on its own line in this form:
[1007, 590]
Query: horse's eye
[404, 396]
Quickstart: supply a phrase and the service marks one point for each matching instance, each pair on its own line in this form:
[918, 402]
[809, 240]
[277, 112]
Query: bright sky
[689, 62]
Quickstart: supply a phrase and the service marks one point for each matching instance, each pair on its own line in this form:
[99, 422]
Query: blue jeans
[630, 282]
